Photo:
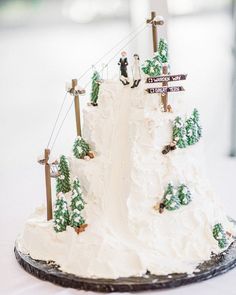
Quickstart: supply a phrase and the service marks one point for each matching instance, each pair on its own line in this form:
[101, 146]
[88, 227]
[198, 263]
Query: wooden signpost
[164, 96]
[166, 78]
[155, 21]
[165, 89]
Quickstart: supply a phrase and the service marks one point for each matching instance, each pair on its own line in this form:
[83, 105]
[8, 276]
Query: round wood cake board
[49, 271]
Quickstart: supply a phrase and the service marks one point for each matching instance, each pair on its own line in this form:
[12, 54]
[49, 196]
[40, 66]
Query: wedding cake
[132, 197]
[125, 235]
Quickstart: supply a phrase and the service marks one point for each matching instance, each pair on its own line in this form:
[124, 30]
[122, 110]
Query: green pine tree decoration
[60, 214]
[95, 88]
[152, 67]
[179, 133]
[63, 180]
[196, 120]
[157, 57]
[193, 128]
[219, 235]
[77, 205]
[80, 148]
[196, 115]
[163, 50]
[191, 131]
[184, 194]
[171, 200]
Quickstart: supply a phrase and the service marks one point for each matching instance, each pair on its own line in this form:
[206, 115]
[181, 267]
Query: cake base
[48, 271]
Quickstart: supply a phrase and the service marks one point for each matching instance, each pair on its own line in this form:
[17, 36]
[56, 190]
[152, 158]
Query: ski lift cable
[110, 50]
[88, 69]
[86, 85]
[61, 125]
[117, 52]
[55, 124]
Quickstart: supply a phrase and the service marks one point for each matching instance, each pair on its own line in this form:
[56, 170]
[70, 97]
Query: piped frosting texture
[125, 235]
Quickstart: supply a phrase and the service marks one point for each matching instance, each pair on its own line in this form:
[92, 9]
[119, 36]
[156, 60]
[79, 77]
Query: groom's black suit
[123, 63]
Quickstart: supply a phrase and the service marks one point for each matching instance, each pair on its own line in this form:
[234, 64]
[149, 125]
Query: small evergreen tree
[157, 57]
[179, 133]
[184, 194]
[163, 50]
[196, 120]
[193, 128]
[219, 235]
[60, 214]
[171, 200]
[80, 148]
[77, 205]
[152, 67]
[196, 115]
[191, 131]
[95, 88]
[63, 180]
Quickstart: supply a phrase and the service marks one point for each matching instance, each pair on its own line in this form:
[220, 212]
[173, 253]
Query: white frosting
[125, 235]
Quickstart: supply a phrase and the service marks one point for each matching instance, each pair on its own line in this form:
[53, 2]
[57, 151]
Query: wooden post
[155, 21]
[164, 96]
[77, 109]
[154, 31]
[48, 184]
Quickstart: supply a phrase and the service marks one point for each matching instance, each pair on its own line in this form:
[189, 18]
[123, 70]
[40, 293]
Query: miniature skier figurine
[136, 71]
[123, 63]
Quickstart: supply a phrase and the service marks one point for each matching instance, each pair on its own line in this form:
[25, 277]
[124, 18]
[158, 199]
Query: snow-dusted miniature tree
[60, 214]
[171, 200]
[95, 88]
[179, 133]
[77, 205]
[80, 148]
[184, 194]
[163, 50]
[63, 180]
[219, 235]
[152, 67]
[157, 57]
[196, 120]
[193, 128]
[190, 131]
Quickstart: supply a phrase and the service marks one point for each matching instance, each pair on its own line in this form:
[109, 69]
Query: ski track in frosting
[115, 198]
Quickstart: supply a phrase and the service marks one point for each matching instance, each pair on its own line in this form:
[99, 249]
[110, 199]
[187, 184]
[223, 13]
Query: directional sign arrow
[165, 89]
[166, 78]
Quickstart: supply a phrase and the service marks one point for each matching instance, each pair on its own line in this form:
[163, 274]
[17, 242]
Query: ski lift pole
[155, 20]
[77, 108]
[48, 184]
